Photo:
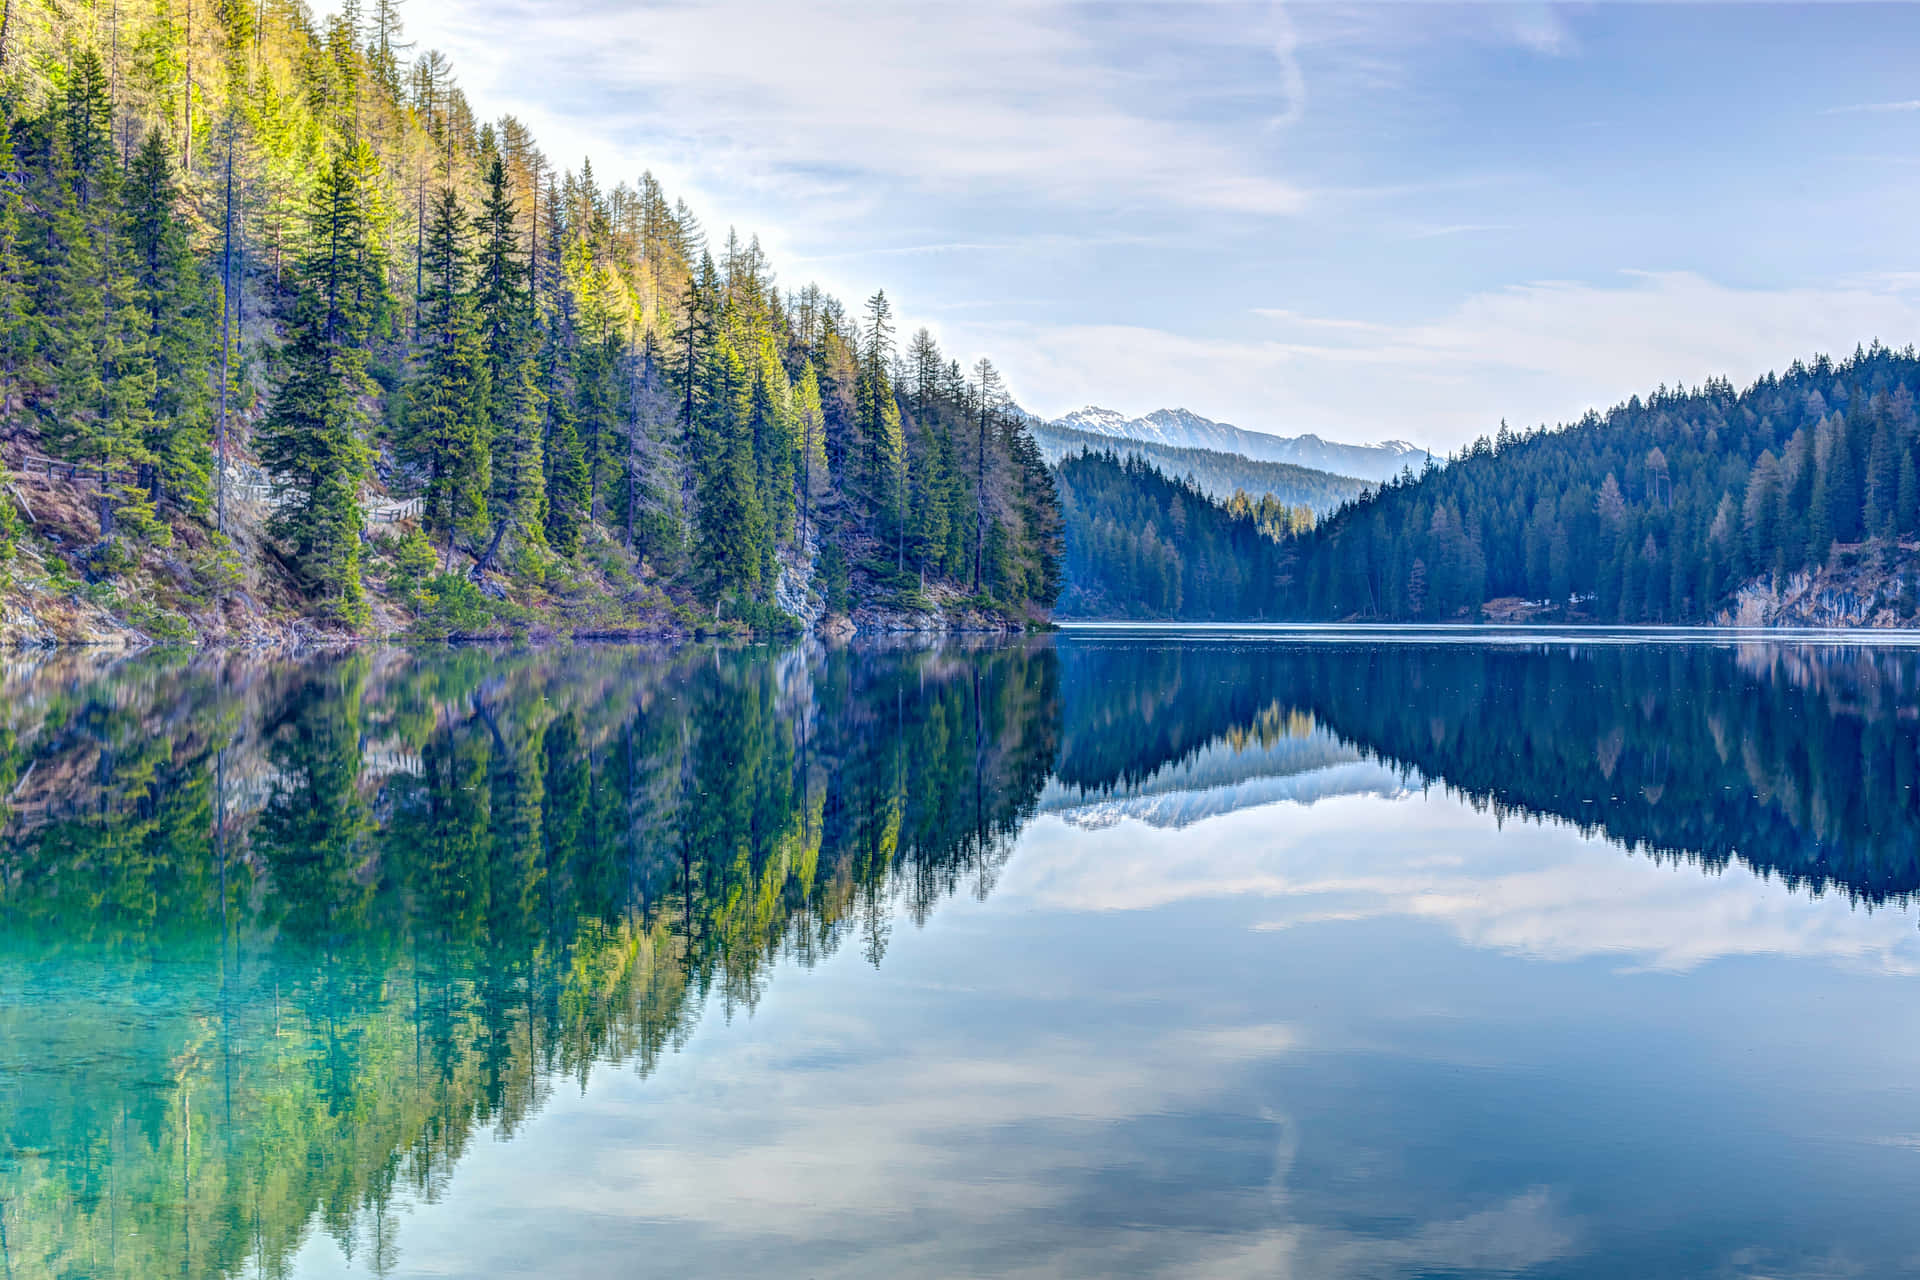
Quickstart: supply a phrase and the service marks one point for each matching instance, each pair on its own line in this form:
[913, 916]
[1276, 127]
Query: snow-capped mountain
[1185, 429]
[1222, 777]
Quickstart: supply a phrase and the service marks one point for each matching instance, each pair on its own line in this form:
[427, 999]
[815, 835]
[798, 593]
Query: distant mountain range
[1217, 474]
[1184, 429]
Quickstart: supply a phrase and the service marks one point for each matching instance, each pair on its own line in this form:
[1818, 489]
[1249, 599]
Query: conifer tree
[878, 424]
[98, 352]
[447, 430]
[566, 463]
[514, 403]
[731, 523]
[174, 300]
[811, 424]
[313, 441]
[16, 313]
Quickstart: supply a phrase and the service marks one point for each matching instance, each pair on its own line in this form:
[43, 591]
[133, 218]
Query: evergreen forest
[1142, 545]
[1219, 475]
[286, 326]
[1660, 510]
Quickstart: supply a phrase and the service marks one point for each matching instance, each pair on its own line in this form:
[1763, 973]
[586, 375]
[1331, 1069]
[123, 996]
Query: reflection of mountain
[1802, 761]
[1221, 777]
[277, 940]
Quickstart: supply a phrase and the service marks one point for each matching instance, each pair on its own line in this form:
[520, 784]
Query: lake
[1203, 953]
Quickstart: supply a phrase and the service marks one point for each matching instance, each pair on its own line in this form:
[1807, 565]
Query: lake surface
[1219, 954]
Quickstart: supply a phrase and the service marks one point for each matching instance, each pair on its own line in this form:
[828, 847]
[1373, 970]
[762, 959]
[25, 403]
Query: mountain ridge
[1185, 429]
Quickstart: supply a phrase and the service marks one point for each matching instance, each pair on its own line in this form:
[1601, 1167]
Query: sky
[1403, 221]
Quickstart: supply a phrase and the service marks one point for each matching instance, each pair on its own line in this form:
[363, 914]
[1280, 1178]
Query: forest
[1660, 510]
[285, 323]
[1142, 545]
[1218, 475]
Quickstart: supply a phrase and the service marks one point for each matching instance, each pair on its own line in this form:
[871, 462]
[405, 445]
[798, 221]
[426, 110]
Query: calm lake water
[1187, 954]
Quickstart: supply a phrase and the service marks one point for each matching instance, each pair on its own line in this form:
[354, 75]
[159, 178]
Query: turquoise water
[1218, 953]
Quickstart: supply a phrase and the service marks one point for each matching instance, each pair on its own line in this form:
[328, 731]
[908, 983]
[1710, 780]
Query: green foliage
[451, 603]
[836, 579]
[413, 563]
[1657, 511]
[447, 432]
[574, 366]
[1140, 545]
[313, 440]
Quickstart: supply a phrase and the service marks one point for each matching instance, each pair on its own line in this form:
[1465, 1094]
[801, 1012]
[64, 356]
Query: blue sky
[1404, 221]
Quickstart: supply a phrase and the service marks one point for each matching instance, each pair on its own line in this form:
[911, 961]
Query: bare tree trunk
[484, 561]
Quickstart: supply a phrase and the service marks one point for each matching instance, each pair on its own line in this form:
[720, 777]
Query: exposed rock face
[793, 590]
[941, 618]
[1860, 586]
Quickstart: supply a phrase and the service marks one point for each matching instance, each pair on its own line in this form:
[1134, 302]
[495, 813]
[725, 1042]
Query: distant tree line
[1657, 511]
[1219, 475]
[1140, 544]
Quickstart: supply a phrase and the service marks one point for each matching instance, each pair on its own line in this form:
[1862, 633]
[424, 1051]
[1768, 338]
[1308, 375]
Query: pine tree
[732, 525]
[16, 315]
[313, 441]
[514, 405]
[877, 425]
[99, 353]
[173, 297]
[811, 422]
[447, 429]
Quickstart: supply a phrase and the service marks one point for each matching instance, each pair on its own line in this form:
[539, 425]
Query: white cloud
[948, 99]
[1874, 108]
[1556, 895]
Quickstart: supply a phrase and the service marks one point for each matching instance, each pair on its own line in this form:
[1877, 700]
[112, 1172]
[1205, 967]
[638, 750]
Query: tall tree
[173, 297]
[515, 403]
[313, 441]
[447, 428]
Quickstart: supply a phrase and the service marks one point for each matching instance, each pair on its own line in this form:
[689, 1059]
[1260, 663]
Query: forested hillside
[1142, 545]
[314, 338]
[1219, 475]
[1678, 508]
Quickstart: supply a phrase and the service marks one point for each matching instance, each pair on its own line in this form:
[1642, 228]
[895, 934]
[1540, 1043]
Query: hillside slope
[1794, 501]
[1219, 475]
[301, 346]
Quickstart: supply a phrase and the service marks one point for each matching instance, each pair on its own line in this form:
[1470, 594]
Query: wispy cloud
[942, 98]
[1874, 108]
[1458, 229]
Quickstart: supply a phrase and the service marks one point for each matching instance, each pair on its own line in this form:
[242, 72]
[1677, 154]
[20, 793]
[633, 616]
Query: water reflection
[280, 942]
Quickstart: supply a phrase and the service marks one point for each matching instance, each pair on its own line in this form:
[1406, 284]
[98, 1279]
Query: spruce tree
[515, 405]
[882, 449]
[16, 315]
[447, 430]
[811, 425]
[313, 441]
[731, 523]
[175, 302]
[94, 337]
